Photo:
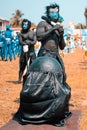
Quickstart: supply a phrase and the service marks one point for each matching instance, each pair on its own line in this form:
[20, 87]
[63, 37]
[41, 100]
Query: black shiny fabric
[44, 97]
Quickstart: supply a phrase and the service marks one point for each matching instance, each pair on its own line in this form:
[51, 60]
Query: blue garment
[13, 47]
[54, 14]
[60, 19]
[2, 46]
[8, 49]
[18, 47]
[8, 33]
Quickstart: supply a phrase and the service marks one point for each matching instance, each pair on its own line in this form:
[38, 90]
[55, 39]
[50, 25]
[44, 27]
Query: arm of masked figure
[62, 43]
[31, 40]
[21, 41]
[44, 30]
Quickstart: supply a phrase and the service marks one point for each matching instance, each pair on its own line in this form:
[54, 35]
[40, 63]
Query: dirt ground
[76, 69]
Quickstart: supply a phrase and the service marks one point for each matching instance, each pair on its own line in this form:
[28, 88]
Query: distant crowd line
[10, 47]
[9, 44]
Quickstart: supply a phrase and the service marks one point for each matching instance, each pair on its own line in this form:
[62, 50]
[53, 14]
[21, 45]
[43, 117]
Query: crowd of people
[10, 47]
[9, 44]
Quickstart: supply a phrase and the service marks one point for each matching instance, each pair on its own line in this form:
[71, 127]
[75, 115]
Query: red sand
[76, 69]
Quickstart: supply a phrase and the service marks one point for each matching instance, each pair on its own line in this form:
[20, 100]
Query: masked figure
[45, 96]
[2, 46]
[27, 39]
[50, 34]
[8, 41]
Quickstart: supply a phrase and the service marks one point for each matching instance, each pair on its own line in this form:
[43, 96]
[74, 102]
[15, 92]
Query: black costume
[51, 37]
[45, 94]
[27, 39]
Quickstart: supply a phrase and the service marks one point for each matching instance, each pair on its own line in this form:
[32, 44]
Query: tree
[16, 20]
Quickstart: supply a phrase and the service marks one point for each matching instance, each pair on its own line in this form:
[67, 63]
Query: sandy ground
[76, 69]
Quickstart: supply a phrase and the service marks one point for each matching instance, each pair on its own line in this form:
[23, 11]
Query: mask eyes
[56, 9]
[25, 25]
[53, 10]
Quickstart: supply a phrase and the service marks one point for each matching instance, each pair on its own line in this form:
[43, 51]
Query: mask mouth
[25, 26]
[55, 18]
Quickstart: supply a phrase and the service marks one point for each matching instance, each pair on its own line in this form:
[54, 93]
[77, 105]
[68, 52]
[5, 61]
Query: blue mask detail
[8, 26]
[54, 15]
[25, 26]
[60, 19]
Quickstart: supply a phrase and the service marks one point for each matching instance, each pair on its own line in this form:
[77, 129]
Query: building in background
[3, 23]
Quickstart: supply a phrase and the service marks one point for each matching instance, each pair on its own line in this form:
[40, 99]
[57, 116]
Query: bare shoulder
[42, 24]
[31, 34]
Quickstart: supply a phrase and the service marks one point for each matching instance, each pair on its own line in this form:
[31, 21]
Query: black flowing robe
[44, 97]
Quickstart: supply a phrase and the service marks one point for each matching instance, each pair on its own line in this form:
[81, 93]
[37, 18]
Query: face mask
[54, 15]
[25, 26]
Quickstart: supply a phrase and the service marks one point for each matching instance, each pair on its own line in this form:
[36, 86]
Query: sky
[34, 9]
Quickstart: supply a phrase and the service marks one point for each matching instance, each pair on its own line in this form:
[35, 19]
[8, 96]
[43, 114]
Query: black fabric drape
[44, 97]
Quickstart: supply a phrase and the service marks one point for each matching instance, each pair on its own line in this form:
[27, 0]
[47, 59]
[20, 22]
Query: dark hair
[26, 20]
[51, 6]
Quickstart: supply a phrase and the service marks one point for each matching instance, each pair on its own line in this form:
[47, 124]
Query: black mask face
[52, 12]
[26, 24]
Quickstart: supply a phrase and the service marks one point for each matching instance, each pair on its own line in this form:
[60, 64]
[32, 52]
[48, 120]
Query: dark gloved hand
[59, 29]
[19, 34]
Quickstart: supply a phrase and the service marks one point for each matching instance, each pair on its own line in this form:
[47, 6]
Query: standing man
[2, 46]
[27, 39]
[50, 33]
[45, 95]
[8, 41]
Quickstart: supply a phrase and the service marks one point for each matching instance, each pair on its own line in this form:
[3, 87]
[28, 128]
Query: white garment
[25, 48]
